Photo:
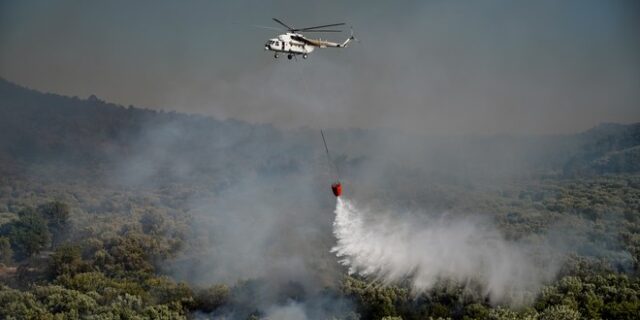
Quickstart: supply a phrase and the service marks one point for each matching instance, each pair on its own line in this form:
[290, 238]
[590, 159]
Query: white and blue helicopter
[294, 43]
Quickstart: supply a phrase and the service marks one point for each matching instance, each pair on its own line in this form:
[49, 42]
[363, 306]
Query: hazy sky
[460, 67]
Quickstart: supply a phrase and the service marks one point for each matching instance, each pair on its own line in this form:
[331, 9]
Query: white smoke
[291, 311]
[445, 249]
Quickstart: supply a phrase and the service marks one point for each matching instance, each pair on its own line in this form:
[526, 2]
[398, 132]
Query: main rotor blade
[323, 31]
[323, 26]
[265, 27]
[282, 23]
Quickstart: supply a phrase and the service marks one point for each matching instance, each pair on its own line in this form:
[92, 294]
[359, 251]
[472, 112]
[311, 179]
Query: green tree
[15, 304]
[501, 313]
[29, 234]
[560, 312]
[211, 298]
[476, 311]
[57, 215]
[66, 260]
[65, 303]
[6, 254]
[375, 301]
[163, 290]
[152, 222]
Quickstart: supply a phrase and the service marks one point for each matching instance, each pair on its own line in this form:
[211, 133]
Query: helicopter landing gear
[304, 56]
[276, 55]
[290, 56]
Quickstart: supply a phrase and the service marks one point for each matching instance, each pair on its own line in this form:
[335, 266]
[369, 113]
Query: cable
[329, 156]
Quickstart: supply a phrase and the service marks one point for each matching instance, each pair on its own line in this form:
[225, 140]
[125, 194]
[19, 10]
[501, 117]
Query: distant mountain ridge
[37, 127]
[45, 124]
[607, 148]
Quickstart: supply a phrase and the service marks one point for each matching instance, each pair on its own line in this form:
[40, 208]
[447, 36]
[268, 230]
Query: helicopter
[294, 43]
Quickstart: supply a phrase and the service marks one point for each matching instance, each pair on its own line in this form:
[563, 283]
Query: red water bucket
[337, 189]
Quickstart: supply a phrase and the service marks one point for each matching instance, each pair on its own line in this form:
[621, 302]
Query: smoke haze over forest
[425, 66]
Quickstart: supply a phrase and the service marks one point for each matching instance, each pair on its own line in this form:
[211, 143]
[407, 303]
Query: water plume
[431, 250]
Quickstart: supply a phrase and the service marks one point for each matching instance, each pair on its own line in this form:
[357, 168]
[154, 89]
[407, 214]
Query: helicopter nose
[266, 47]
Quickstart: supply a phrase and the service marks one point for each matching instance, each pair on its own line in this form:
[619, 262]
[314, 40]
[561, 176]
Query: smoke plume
[435, 250]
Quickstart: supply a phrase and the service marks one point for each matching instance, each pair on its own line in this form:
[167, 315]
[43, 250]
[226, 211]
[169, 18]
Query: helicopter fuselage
[289, 43]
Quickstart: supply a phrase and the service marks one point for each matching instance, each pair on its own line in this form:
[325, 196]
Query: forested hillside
[39, 128]
[119, 212]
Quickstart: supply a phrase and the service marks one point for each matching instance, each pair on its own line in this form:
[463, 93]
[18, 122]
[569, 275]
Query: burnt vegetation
[95, 213]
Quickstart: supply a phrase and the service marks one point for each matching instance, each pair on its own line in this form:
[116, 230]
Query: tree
[65, 303]
[209, 299]
[375, 301]
[560, 312]
[6, 254]
[66, 260]
[162, 290]
[501, 313]
[16, 304]
[152, 222]
[29, 234]
[476, 311]
[57, 215]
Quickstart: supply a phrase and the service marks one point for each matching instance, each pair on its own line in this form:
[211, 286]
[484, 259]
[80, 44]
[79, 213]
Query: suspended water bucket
[337, 189]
